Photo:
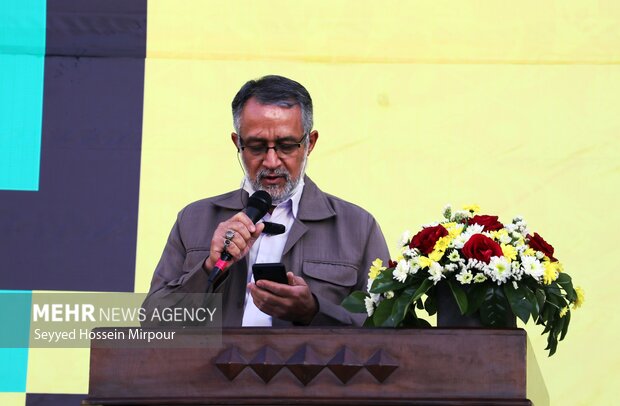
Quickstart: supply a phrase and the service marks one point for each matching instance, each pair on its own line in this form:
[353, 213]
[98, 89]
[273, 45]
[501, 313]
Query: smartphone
[275, 272]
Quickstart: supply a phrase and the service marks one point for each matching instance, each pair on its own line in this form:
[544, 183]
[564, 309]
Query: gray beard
[278, 194]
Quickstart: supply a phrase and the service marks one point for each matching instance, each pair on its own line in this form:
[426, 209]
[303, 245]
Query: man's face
[269, 125]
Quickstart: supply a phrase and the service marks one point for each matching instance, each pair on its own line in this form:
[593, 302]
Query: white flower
[532, 266]
[454, 256]
[475, 264]
[465, 277]
[479, 278]
[376, 297]
[466, 235]
[499, 269]
[451, 267]
[540, 255]
[515, 285]
[401, 271]
[413, 268]
[404, 238]
[410, 252]
[389, 294]
[436, 272]
[370, 306]
[505, 239]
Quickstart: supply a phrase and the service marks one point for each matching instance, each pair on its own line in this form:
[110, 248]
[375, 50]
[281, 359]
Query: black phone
[275, 272]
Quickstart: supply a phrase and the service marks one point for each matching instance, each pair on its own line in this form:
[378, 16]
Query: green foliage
[385, 282]
[495, 308]
[355, 302]
[494, 304]
[459, 296]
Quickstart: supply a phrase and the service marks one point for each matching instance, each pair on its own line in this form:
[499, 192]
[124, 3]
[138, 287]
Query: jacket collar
[313, 205]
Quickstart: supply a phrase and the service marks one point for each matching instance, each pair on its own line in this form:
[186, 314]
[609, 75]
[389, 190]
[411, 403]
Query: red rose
[425, 240]
[538, 243]
[490, 223]
[392, 264]
[482, 248]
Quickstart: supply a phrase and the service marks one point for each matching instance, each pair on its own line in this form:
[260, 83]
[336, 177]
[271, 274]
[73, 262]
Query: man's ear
[313, 137]
[235, 138]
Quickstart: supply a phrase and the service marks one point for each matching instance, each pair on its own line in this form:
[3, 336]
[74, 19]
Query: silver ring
[230, 234]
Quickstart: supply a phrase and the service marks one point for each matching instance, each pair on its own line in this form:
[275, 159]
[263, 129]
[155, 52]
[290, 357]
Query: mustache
[277, 172]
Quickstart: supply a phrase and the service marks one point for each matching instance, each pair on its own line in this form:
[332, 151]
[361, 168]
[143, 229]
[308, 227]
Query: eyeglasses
[283, 149]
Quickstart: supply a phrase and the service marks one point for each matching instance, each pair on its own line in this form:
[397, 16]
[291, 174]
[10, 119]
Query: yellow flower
[551, 272]
[499, 234]
[424, 262]
[580, 298]
[472, 207]
[529, 252]
[442, 243]
[455, 230]
[509, 251]
[449, 225]
[376, 268]
[564, 311]
[436, 255]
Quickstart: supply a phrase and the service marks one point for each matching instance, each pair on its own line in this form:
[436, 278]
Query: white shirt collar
[293, 201]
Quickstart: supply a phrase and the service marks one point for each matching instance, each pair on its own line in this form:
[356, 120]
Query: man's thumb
[295, 280]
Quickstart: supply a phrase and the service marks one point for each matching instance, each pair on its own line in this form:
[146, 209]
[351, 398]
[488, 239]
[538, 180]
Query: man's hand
[292, 302]
[246, 234]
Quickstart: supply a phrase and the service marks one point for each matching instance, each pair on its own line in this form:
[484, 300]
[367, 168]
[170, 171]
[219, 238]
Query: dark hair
[276, 90]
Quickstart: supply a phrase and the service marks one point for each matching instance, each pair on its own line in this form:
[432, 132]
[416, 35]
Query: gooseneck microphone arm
[258, 205]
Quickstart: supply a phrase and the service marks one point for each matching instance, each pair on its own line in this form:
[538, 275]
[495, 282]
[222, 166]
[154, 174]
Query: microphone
[273, 228]
[258, 205]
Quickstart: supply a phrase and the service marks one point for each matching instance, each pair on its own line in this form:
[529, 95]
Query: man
[328, 245]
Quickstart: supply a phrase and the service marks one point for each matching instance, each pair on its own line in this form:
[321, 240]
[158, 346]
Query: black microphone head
[258, 205]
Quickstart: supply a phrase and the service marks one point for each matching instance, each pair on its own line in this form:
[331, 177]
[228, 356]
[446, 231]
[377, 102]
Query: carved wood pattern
[305, 364]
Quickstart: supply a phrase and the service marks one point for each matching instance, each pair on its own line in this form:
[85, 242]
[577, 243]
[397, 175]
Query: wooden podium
[310, 366]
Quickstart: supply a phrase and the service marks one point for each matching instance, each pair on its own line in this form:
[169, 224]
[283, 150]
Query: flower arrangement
[493, 270]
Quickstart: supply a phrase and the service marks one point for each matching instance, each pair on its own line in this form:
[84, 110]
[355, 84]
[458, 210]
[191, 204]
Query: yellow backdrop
[418, 104]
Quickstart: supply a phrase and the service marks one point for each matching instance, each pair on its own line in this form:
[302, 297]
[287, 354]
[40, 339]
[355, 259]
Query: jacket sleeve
[171, 282]
[331, 313]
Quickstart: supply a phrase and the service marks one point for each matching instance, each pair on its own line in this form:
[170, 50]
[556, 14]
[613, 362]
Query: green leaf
[430, 304]
[401, 306]
[552, 344]
[475, 297]
[369, 322]
[531, 297]
[565, 327]
[381, 316]
[553, 289]
[541, 298]
[518, 301]
[495, 308]
[422, 289]
[565, 281]
[385, 282]
[459, 296]
[355, 302]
